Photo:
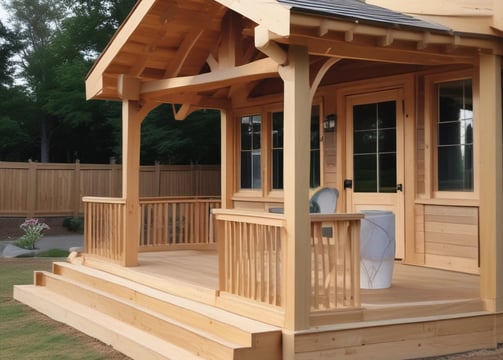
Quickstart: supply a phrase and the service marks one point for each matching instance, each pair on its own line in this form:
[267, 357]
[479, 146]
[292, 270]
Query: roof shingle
[361, 11]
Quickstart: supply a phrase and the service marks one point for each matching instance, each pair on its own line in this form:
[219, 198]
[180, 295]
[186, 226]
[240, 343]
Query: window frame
[431, 135]
[266, 191]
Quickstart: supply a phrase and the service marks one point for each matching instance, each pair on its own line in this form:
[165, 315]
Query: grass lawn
[27, 334]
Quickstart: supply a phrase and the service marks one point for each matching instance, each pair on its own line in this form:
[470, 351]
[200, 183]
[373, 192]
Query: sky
[3, 14]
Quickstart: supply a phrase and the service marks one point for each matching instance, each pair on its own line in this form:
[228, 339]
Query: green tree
[47, 108]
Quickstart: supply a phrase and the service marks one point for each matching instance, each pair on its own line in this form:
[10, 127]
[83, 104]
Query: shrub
[33, 232]
[75, 224]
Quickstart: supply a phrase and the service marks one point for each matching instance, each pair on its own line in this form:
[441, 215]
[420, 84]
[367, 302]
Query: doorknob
[348, 184]
[399, 187]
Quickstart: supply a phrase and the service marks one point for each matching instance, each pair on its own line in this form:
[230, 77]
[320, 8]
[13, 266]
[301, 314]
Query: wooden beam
[296, 189]
[352, 50]
[351, 30]
[265, 43]
[128, 87]
[260, 69]
[183, 52]
[491, 179]
[201, 101]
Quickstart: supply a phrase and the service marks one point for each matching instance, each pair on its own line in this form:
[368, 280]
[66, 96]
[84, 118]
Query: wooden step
[198, 328]
[232, 327]
[123, 337]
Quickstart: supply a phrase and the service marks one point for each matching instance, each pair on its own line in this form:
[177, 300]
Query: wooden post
[491, 180]
[297, 109]
[227, 158]
[32, 190]
[131, 126]
[77, 196]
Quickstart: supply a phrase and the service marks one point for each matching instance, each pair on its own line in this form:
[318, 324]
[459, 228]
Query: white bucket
[377, 249]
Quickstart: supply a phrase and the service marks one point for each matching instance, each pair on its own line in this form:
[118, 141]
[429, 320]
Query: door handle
[348, 184]
[399, 187]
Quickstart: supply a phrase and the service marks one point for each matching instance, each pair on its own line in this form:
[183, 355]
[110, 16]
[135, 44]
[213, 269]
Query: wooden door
[375, 156]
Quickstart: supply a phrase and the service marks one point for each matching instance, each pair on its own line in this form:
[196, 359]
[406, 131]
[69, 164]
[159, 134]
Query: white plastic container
[377, 249]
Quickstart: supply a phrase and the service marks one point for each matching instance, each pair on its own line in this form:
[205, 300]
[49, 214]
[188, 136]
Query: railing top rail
[336, 217]
[251, 217]
[106, 200]
[173, 199]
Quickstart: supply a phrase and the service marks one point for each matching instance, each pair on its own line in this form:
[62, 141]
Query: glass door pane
[374, 147]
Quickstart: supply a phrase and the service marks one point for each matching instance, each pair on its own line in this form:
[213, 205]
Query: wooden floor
[416, 291]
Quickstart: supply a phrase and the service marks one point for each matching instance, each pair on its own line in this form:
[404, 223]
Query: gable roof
[166, 39]
[358, 10]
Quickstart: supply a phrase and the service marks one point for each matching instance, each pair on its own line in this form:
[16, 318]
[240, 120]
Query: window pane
[386, 114]
[365, 141]
[455, 136]
[277, 130]
[314, 175]
[366, 115]
[256, 125]
[455, 172]
[315, 168]
[365, 173]
[387, 140]
[277, 150]
[256, 183]
[387, 173]
[250, 151]
[277, 171]
[246, 130]
[246, 170]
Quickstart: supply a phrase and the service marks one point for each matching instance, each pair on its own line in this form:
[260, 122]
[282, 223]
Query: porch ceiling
[202, 52]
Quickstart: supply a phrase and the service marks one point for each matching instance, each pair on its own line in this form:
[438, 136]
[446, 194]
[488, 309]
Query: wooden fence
[41, 189]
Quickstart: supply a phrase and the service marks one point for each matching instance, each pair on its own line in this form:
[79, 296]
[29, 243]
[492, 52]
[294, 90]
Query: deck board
[410, 284]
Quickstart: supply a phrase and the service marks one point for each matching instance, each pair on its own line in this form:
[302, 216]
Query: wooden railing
[252, 250]
[251, 255]
[103, 228]
[165, 224]
[335, 261]
[177, 223]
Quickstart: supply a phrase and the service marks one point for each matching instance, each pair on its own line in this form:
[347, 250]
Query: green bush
[75, 224]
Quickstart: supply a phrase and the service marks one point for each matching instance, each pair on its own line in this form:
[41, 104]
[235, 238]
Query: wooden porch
[215, 290]
[416, 291]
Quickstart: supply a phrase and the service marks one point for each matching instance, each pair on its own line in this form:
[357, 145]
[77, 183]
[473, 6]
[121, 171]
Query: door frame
[393, 201]
[412, 237]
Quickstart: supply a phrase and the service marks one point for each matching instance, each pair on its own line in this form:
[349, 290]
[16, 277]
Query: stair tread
[85, 315]
[245, 324]
[195, 330]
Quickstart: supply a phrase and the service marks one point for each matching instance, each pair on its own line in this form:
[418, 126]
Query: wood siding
[448, 236]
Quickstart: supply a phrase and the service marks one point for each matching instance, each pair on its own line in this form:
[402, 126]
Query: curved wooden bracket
[321, 73]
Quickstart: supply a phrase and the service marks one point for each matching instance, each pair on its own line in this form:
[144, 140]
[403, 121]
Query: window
[250, 152]
[277, 150]
[314, 171]
[455, 136]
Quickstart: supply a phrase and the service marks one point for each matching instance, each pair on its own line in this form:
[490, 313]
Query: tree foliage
[48, 48]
